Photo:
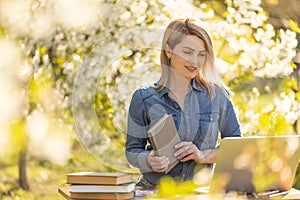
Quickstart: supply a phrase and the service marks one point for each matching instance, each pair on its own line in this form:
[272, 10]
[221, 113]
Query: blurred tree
[76, 64]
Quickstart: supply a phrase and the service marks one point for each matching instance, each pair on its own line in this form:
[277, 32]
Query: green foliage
[294, 26]
[18, 139]
[104, 112]
[264, 120]
[297, 178]
[171, 188]
[39, 87]
[2, 31]
[275, 124]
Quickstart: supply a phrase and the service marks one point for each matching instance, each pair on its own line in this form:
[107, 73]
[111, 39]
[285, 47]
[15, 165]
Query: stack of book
[98, 185]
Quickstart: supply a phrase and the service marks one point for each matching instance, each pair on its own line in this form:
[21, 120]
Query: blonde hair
[207, 74]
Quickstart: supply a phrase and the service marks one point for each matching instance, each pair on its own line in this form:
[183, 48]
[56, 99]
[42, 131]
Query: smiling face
[187, 56]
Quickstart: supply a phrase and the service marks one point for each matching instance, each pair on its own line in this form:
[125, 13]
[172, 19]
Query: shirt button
[189, 130]
[211, 119]
[176, 106]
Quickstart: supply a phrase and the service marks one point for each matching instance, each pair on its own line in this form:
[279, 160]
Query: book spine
[153, 143]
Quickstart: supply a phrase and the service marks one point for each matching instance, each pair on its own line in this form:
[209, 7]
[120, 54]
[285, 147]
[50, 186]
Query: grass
[44, 177]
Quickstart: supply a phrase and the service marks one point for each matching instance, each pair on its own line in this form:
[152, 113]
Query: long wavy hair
[207, 74]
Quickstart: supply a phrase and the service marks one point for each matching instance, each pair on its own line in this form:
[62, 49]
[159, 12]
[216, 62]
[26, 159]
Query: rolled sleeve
[142, 160]
[229, 124]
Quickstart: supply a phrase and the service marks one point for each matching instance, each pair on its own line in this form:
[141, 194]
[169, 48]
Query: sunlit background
[51, 50]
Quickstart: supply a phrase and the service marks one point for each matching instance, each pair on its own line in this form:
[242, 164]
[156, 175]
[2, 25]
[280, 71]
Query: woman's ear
[168, 51]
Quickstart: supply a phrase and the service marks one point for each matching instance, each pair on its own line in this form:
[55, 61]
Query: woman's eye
[201, 54]
[187, 52]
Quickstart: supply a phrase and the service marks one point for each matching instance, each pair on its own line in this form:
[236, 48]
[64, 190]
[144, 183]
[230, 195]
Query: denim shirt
[201, 121]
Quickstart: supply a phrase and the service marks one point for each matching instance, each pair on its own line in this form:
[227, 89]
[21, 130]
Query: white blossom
[288, 106]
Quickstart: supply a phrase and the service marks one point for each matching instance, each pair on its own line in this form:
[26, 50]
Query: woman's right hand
[158, 163]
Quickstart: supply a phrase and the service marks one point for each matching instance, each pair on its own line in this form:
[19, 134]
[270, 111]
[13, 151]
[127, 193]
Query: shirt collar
[195, 85]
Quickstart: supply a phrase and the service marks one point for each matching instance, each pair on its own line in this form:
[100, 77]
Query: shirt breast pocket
[208, 130]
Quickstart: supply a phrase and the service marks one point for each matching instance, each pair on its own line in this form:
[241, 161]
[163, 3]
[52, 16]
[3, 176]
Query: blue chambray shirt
[201, 122]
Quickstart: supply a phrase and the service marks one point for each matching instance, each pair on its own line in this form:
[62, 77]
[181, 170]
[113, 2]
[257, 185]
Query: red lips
[191, 68]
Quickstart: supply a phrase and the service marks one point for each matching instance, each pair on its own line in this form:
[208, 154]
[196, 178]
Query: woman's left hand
[188, 151]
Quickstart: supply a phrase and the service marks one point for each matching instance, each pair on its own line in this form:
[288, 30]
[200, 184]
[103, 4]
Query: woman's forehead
[192, 41]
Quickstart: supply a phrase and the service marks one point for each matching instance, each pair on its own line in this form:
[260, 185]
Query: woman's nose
[194, 60]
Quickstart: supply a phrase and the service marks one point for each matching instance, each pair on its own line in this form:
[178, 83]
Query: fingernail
[175, 154]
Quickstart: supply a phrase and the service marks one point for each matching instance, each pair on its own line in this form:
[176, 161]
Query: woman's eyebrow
[203, 50]
[188, 48]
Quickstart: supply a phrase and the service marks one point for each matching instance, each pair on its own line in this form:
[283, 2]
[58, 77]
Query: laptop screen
[256, 164]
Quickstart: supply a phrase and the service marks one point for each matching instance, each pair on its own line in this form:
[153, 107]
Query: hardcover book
[106, 178]
[163, 137]
[70, 196]
[103, 188]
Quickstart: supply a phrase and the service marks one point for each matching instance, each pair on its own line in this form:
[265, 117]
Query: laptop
[256, 164]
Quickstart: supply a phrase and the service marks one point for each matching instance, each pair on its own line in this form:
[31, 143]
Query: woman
[191, 91]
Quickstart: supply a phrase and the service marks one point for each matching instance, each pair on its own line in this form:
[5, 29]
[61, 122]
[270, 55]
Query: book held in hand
[107, 178]
[163, 136]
